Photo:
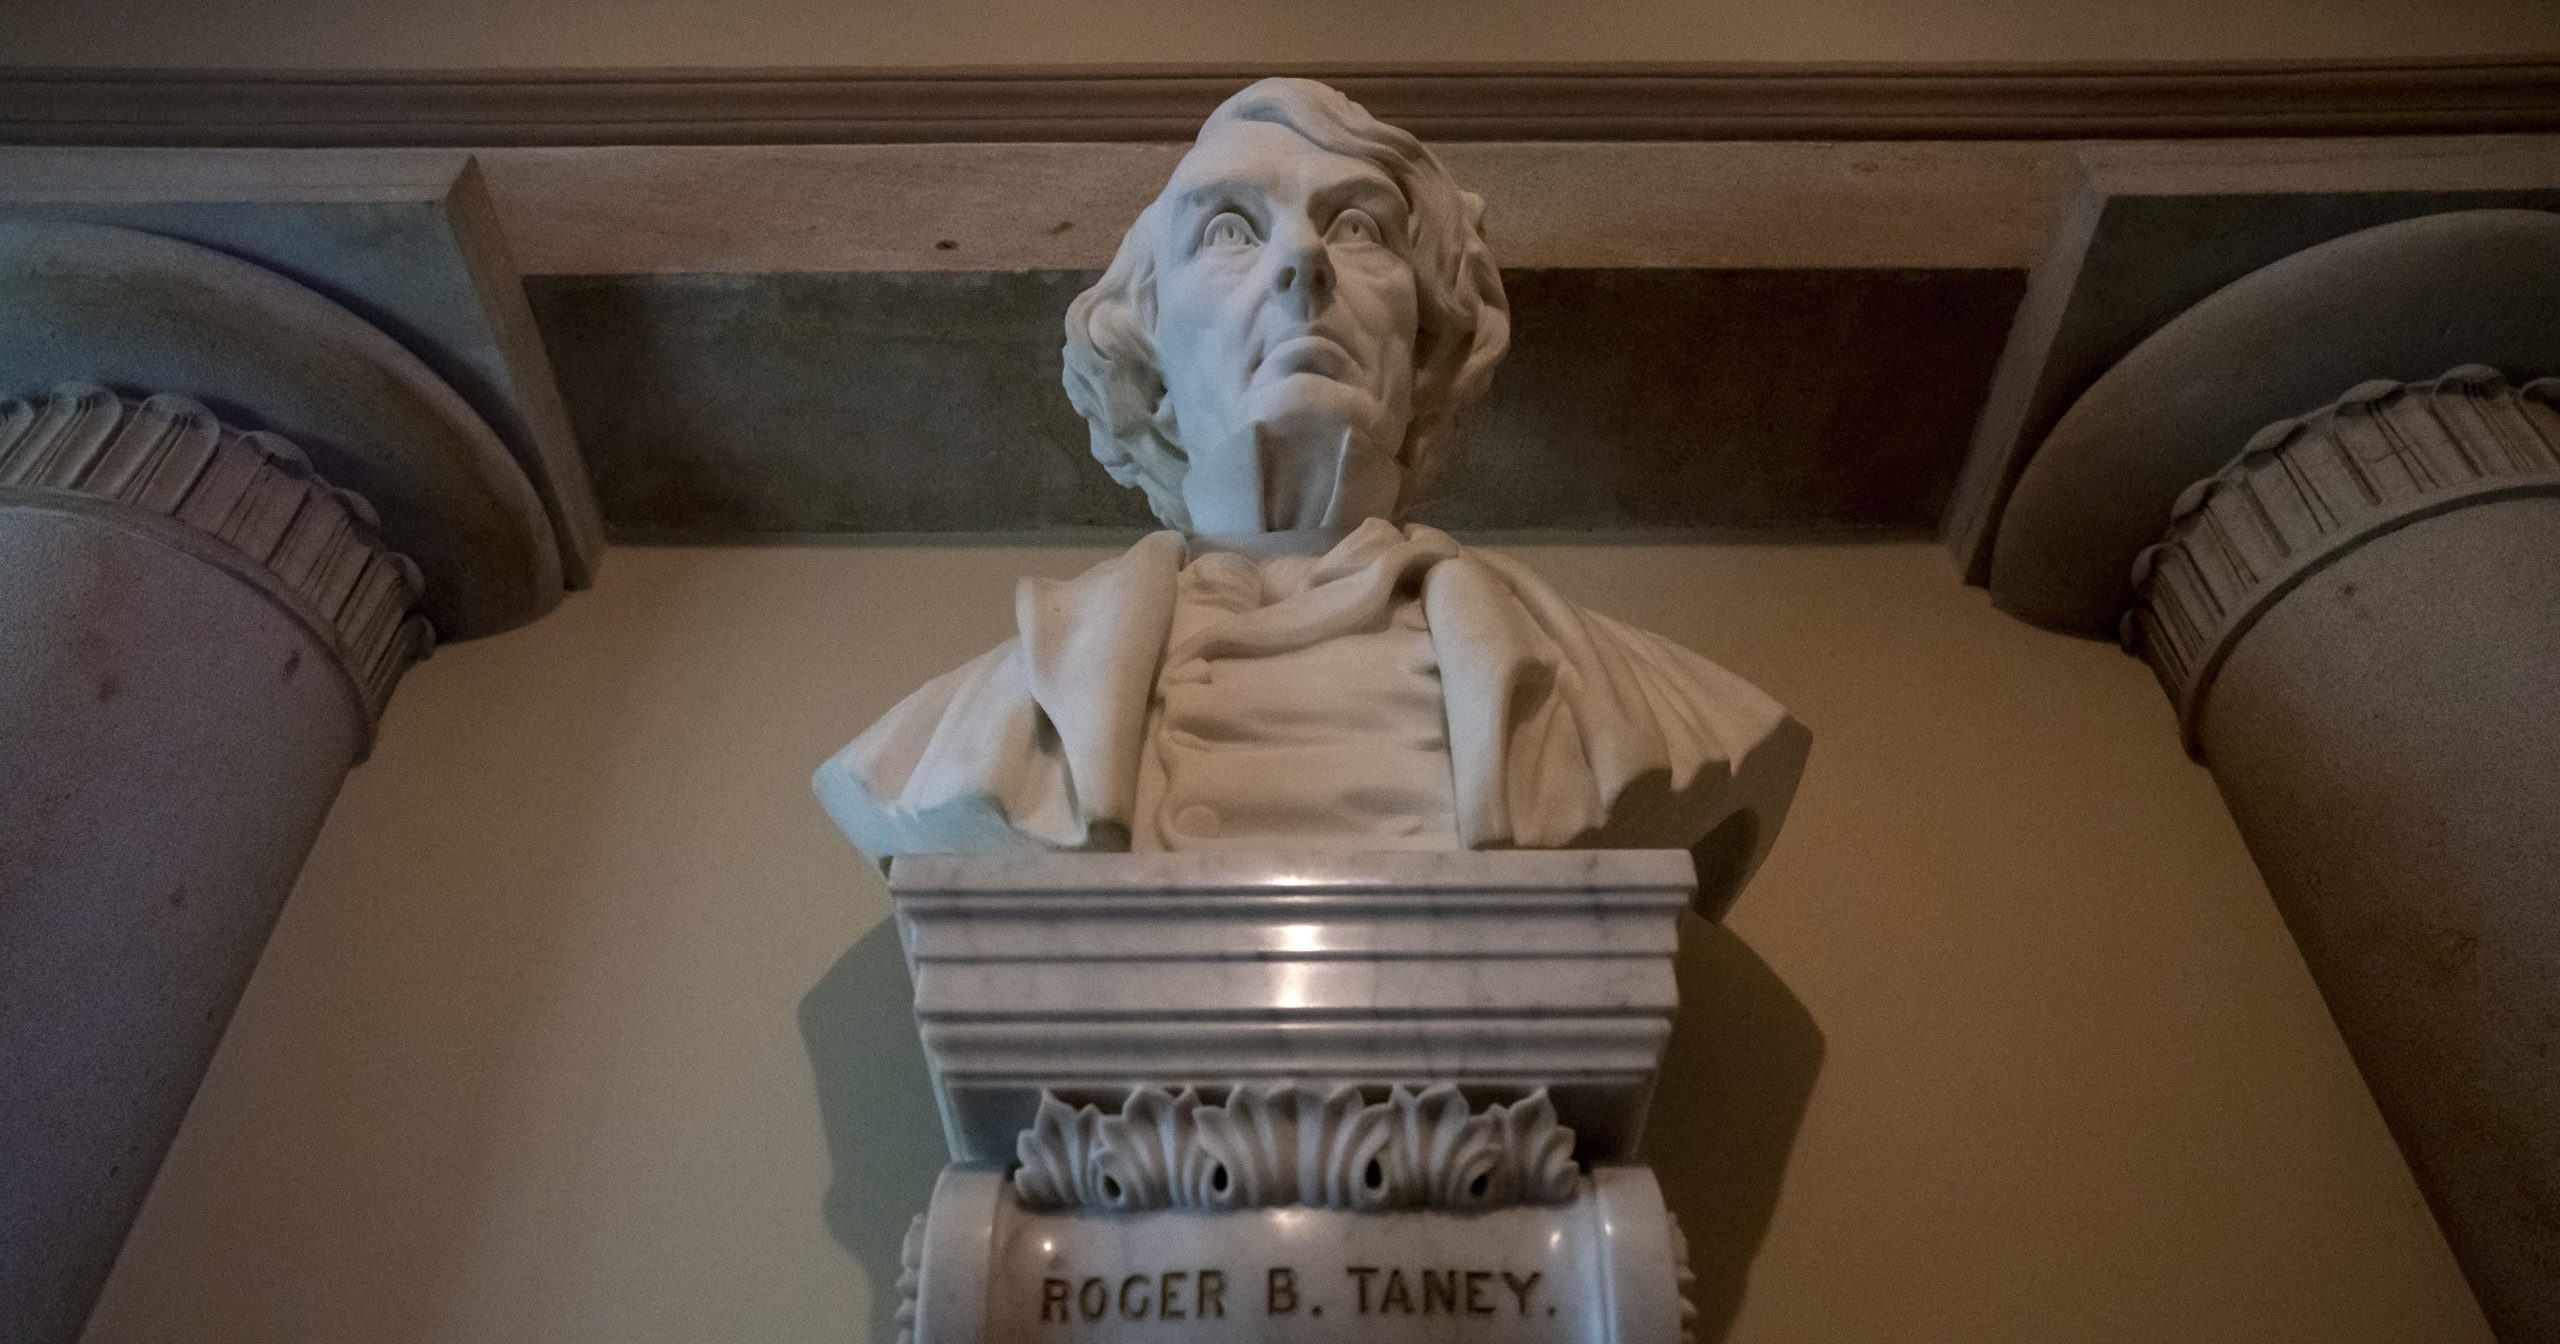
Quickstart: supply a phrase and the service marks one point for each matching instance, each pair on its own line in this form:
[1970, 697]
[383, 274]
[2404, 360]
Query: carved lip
[1314, 353]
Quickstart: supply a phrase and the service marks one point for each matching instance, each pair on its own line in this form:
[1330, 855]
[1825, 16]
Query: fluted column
[197, 633]
[2359, 621]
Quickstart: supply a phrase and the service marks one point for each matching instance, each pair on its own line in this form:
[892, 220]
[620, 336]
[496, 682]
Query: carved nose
[1309, 274]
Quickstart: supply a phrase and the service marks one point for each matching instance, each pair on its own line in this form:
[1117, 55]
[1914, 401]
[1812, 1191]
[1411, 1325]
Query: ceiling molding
[1615, 102]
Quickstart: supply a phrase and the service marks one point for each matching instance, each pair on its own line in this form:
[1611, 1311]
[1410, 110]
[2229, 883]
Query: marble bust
[1279, 357]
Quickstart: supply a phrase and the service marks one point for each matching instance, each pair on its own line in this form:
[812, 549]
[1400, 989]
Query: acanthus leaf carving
[1057, 1156]
[911, 1278]
[1270, 1146]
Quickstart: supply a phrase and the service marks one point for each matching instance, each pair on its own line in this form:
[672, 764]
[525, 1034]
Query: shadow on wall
[1735, 1080]
[884, 1135]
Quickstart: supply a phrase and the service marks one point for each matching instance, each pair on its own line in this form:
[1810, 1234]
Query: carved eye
[1354, 226]
[1228, 230]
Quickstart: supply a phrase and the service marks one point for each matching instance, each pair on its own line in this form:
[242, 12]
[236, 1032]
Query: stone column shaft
[196, 633]
[2359, 620]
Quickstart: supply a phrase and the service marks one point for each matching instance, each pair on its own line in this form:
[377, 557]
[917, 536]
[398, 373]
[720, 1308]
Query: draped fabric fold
[1565, 728]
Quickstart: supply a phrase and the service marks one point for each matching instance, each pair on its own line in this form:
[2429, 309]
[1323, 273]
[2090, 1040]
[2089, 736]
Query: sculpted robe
[1400, 691]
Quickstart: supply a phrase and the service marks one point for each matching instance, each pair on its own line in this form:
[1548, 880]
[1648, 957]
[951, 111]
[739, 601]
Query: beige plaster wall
[532, 33]
[2005, 1044]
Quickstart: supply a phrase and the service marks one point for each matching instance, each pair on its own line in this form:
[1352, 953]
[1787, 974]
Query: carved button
[1197, 820]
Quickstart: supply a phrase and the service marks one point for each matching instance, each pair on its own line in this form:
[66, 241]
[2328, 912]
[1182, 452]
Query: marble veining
[1085, 974]
[1445, 873]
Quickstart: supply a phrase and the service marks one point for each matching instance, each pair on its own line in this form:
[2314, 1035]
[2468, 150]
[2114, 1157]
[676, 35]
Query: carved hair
[1112, 374]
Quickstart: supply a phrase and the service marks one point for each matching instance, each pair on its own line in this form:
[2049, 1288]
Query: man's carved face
[1285, 326]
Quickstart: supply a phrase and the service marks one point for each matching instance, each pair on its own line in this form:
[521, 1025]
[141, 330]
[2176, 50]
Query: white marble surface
[1279, 356]
[1086, 974]
[1604, 1267]
[1259, 1146]
[1120, 715]
[1311, 873]
[1288, 335]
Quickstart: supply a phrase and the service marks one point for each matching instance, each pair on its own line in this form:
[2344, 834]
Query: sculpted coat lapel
[1281, 348]
[1566, 729]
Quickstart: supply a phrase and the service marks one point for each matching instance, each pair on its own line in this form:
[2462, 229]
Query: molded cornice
[1562, 102]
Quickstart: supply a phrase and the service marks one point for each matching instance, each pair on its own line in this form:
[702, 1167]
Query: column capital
[270, 518]
[144, 314]
[2307, 490]
[2402, 301]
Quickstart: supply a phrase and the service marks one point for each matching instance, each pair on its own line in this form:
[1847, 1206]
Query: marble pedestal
[1330, 1074]
[1604, 1265]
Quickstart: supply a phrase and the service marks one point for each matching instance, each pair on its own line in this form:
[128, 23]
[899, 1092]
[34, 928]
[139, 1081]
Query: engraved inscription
[1200, 1294]
[1439, 1291]
[1172, 1295]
